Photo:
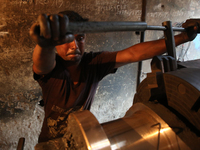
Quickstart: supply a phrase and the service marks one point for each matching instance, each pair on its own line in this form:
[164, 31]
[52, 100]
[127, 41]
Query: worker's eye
[80, 38]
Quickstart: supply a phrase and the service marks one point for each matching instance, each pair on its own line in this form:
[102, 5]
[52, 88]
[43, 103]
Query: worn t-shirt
[58, 90]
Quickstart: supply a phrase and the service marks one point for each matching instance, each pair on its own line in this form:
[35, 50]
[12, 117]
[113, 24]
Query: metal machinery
[165, 113]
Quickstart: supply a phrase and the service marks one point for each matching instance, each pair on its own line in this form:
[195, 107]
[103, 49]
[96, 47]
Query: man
[69, 78]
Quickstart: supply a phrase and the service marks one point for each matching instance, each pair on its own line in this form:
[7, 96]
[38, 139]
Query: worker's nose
[74, 45]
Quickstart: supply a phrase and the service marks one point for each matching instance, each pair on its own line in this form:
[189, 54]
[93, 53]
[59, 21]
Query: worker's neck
[74, 72]
[72, 67]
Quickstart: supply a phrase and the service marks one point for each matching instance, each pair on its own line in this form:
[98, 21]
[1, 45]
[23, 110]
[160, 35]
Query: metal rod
[162, 28]
[94, 27]
[142, 38]
[169, 40]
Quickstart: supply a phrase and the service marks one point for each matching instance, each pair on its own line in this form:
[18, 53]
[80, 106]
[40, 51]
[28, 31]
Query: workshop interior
[153, 104]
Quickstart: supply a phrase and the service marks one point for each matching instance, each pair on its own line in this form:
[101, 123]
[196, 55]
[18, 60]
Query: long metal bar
[169, 40]
[162, 28]
[94, 27]
[142, 38]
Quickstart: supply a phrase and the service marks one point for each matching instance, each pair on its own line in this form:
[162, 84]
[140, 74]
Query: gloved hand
[192, 27]
[51, 30]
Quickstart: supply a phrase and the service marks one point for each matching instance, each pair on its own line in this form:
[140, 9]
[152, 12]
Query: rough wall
[19, 114]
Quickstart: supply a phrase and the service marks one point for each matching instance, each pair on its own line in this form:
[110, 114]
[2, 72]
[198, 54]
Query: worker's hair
[73, 16]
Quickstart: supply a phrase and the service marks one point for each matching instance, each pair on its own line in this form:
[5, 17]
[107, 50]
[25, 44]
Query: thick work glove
[192, 27]
[51, 30]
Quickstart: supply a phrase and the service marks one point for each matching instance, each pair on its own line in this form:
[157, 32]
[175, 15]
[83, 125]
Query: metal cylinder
[95, 27]
[141, 128]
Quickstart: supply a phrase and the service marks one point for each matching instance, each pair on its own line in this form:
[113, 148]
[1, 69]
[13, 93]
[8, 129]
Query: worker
[69, 76]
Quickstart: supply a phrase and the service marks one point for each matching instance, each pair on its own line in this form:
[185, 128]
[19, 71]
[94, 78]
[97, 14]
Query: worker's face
[72, 51]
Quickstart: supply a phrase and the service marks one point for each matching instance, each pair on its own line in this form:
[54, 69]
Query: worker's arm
[48, 32]
[150, 49]
[43, 60]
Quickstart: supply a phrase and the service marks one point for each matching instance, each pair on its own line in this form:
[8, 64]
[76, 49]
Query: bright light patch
[118, 145]
[100, 144]
[197, 42]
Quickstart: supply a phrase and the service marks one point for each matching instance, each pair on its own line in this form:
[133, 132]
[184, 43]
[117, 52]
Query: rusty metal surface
[190, 75]
[183, 94]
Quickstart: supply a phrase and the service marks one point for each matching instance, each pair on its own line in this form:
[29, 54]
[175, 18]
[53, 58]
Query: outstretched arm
[43, 60]
[150, 49]
[48, 32]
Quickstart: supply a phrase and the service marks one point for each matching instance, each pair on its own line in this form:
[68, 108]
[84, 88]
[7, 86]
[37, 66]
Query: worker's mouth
[73, 54]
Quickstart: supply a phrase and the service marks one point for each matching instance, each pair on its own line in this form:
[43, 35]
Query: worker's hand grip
[51, 30]
[192, 23]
